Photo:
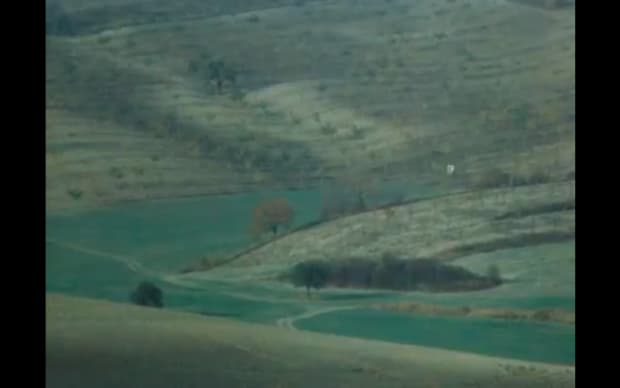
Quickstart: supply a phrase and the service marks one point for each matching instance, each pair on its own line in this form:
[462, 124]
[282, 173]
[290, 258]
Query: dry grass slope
[447, 228]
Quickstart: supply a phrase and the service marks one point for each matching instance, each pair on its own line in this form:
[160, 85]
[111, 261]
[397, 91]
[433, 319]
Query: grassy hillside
[450, 228]
[149, 99]
[101, 344]
[526, 232]
[390, 90]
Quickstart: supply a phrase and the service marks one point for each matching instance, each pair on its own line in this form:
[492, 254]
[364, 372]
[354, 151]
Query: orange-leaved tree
[270, 214]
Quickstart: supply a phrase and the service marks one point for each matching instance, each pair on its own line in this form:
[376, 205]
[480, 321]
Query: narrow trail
[133, 264]
[289, 322]
[129, 261]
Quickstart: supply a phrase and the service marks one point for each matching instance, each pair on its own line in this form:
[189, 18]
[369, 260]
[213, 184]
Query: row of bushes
[496, 178]
[390, 272]
[342, 198]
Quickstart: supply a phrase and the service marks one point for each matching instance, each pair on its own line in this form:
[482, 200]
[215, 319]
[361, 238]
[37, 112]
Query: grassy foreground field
[100, 344]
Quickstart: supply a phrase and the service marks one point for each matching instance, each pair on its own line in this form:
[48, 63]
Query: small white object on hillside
[450, 169]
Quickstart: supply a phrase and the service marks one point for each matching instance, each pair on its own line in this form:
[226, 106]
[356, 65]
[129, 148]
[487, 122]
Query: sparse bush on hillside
[357, 133]
[70, 67]
[237, 94]
[328, 129]
[296, 120]
[352, 196]
[116, 172]
[339, 203]
[130, 43]
[548, 4]
[492, 179]
[204, 264]
[544, 315]
[493, 273]
[171, 123]
[147, 294]
[214, 71]
[193, 66]
[271, 214]
[344, 198]
[538, 177]
[219, 72]
[103, 39]
[333, 205]
[75, 193]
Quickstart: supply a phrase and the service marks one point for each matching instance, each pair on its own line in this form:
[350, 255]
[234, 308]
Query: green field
[169, 234]
[124, 245]
[529, 341]
[75, 273]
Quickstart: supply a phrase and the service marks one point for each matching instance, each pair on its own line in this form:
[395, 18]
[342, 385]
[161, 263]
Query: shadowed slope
[99, 344]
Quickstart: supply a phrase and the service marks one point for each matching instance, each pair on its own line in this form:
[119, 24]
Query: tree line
[390, 272]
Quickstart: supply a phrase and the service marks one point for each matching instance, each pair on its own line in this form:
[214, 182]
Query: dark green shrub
[493, 274]
[310, 274]
[147, 294]
[75, 193]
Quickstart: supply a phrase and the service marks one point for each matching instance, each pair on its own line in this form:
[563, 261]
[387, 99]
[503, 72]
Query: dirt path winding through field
[130, 262]
[133, 264]
[289, 322]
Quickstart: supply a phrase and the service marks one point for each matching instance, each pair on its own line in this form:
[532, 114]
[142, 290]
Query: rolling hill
[324, 90]
[85, 345]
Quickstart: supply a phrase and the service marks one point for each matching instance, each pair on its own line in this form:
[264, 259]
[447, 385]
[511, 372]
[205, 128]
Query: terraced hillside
[322, 89]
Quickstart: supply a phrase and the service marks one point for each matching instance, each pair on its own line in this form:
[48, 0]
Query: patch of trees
[340, 202]
[391, 273]
[147, 294]
[496, 178]
[547, 4]
[310, 274]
